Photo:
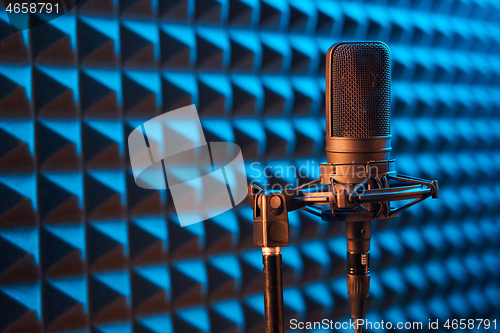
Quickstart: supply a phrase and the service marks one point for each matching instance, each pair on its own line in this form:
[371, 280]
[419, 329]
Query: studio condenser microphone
[358, 94]
[357, 182]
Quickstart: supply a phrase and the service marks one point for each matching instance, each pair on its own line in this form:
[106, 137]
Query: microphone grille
[360, 90]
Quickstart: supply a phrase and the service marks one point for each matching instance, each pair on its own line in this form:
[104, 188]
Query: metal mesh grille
[360, 94]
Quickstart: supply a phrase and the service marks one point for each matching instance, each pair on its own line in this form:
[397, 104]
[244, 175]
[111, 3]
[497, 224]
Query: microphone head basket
[358, 96]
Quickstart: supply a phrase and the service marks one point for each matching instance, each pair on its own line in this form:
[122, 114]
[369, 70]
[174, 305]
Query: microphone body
[358, 84]
[357, 100]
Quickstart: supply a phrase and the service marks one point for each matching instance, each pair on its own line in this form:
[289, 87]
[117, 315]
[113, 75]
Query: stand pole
[273, 289]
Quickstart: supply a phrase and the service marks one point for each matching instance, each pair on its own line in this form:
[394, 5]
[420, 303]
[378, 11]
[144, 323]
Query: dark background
[83, 249]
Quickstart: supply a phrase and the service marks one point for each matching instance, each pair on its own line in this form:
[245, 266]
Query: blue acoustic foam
[83, 249]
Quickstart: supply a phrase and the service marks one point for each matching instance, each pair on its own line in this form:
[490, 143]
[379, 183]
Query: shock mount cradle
[356, 204]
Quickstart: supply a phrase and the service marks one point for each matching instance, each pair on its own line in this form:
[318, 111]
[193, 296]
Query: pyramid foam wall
[83, 249]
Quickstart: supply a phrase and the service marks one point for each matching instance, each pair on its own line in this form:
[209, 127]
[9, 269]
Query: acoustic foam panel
[83, 249]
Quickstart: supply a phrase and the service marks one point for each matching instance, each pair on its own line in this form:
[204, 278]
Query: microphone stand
[270, 232]
[273, 289]
[346, 204]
